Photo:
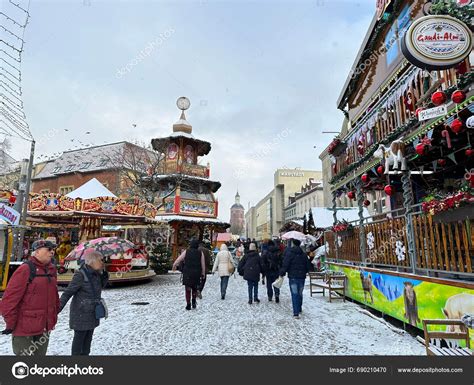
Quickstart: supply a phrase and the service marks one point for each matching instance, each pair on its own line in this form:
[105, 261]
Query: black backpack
[33, 274]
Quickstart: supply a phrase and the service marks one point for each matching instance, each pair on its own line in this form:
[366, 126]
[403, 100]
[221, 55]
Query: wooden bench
[330, 281]
[462, 334]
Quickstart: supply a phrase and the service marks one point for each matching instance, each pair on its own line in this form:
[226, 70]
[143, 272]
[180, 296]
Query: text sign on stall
[431, 113]
[9, 215]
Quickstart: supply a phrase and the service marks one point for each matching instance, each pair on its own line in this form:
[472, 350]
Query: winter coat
[221, 263]
[84, 299]
[272, 260]
[194, 266]
[251, 266]
[295, 263]
[30, 309]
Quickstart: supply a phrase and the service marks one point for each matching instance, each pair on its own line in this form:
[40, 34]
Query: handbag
[230, 265]
[101, 310]
[278, 282]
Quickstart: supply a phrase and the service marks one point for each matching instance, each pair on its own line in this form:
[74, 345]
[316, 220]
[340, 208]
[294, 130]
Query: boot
[270, 299]
[277, 299]
[194, 303]
[250, 301]
[223, 296]
[256, 300]
[188, 306]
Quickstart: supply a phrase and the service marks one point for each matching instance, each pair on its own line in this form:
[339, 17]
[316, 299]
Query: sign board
[437, 42]
[431, 113]
[292, 173]
[9, 215]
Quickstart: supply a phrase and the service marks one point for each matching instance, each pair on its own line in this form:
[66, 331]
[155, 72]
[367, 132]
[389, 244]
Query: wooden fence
[439, 245]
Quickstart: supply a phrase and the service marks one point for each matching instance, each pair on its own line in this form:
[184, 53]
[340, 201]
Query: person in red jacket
[30, 304]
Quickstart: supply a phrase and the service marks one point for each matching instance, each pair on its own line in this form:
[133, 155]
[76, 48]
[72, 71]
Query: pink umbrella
[107, 246]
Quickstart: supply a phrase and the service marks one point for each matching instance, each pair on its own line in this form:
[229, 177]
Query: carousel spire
[182, 125]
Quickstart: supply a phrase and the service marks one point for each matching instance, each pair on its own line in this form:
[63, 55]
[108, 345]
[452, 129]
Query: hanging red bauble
[388, 190]
[458, 96]
[420, 149]
[351, 195]
[12, 199]
[438, 98]
[456, 126]
[469, 152]
[365, 178]
[442, 162]
[380, 170]
[366, 203]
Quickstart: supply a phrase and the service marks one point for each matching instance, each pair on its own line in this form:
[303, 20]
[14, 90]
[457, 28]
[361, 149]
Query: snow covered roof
[85, 160]
[91, 189]
[171, 218]
[160, 144]
[323, 216]
[213, 185]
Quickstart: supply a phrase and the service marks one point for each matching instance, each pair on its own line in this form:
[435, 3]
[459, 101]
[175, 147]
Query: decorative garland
[436, 205]
[464, 81]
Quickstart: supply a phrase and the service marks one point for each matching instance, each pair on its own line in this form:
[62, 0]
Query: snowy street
[230, 326]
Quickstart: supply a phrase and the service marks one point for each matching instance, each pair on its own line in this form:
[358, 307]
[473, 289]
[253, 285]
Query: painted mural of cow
[392, 155]
[455, 308]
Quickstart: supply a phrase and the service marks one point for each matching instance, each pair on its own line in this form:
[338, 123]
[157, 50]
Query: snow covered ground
[229, 327]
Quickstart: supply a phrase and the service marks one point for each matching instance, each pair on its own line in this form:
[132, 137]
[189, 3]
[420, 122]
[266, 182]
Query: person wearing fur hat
[194, 271]
[250, 267]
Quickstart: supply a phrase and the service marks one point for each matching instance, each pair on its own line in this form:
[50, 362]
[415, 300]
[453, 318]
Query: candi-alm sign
[437, 42]
[9, 215]
[381, 6]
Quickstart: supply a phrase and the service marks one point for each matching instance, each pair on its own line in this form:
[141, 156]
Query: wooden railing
[439, 245]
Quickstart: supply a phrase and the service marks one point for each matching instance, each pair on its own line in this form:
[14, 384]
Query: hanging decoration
[445, 134]
[339, 241]
[400, 250]
[351, 195]
[420, 149]
[458, 96]
[380, 170]
[365, 178]
[366, 203]
[388, 190]
[456, 126]
[370, 240]
[469, 152]
[438, 98]
[442, 162]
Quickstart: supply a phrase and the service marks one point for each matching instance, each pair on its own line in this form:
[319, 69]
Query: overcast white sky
[253, 70]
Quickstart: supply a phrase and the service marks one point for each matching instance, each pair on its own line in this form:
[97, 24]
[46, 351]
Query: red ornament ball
[442, 162]
[456, 126]
[12, 199]
[420, 149]
[438, 98]
[365, 178]
[380, 170]
[351, 195]
[458, 96]
[469, 152]
[366, 203]
[388, 190]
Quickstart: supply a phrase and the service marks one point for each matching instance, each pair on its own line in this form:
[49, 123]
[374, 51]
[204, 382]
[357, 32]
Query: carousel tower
[183, 192]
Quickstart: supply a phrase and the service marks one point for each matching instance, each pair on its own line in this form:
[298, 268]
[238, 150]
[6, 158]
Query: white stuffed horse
[392, 155]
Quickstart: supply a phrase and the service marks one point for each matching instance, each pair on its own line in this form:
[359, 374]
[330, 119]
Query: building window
[69, 168]
[65, 189]
[85, 165]
[56, 169]
[102, 162]
[45, 191]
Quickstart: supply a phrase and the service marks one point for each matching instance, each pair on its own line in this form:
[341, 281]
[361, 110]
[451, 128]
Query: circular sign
[437, 42]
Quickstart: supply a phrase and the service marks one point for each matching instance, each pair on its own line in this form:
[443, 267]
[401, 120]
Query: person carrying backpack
[250, 267]
[30, 303]
[271, 262]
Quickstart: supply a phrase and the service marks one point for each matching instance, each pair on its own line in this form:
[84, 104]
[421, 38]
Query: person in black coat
[85, 290]
[194, 271]
[272, 263]
[250, 267]
[296, 263]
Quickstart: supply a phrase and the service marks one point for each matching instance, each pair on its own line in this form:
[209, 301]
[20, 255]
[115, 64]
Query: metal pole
[24, 203]
[334, 215]
[408, 204]
[362, 238]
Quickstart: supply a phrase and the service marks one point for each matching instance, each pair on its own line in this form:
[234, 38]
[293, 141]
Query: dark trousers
[224, 283]
[253, 288]
[81, 344]
[188, 292]
[31, 345]
[271, 277]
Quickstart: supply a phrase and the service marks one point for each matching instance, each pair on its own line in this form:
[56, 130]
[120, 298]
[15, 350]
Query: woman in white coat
[221, 265]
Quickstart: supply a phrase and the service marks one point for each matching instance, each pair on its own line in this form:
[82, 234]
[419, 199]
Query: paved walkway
[229, 327]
